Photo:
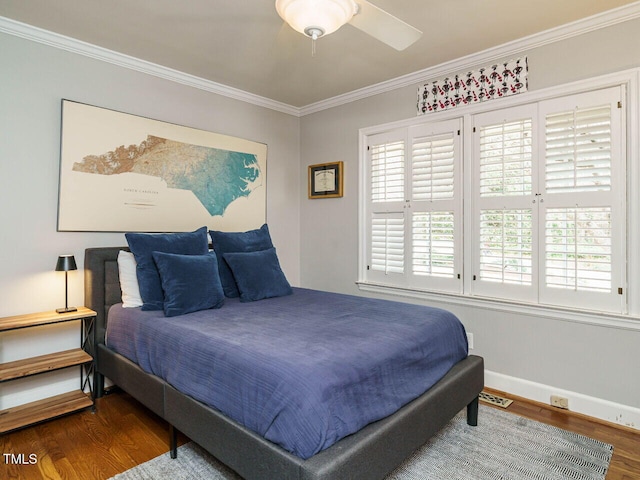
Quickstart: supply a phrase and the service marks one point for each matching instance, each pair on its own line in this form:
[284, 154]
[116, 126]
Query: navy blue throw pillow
[234, 242]
[190, 282]
[142, 245]
[258, 275]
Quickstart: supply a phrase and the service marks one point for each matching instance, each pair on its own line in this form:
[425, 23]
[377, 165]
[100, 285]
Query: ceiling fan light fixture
[315, 18]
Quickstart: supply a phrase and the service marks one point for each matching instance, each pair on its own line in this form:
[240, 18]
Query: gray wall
[592, 360]
[33, 80]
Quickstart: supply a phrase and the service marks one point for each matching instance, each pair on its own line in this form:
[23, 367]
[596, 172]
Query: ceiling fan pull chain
[314, 33]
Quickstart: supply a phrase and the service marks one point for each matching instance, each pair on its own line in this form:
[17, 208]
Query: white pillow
[128, 280]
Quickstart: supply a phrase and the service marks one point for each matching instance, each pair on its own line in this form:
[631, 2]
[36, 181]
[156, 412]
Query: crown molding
[579, 27]
[516, 47]
[73, 45]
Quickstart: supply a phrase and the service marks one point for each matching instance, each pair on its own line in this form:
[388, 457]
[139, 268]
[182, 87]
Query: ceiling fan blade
[384, 26]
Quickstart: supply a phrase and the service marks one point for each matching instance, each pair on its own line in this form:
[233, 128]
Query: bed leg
[98, 385]
[472, 412]
[173, 441]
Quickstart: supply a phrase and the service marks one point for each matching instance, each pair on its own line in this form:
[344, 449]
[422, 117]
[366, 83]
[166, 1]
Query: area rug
[502, 446]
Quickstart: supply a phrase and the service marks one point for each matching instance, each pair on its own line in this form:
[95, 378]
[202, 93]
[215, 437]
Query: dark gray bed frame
[369, 454]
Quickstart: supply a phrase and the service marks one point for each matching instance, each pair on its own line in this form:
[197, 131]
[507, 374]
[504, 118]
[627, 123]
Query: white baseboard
[579, 403]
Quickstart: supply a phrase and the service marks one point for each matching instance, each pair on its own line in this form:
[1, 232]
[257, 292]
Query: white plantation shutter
[414, 207]
[433, 244]
[578, 253]
[386, 186]
[578, 150]
[505, 158]
[583, 174]
[504, 220]
[545, 203]
[387, 243]
[506, 255]
[434, 210]
[432, 167]
[387, 172]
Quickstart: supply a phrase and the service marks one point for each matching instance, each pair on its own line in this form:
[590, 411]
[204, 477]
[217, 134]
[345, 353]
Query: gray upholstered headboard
[101, 284]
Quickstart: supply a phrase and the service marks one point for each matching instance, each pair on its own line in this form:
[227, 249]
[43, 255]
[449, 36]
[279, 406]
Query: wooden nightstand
[34, 412]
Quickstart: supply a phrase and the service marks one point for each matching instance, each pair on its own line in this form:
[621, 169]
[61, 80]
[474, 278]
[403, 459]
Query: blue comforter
[304, 370]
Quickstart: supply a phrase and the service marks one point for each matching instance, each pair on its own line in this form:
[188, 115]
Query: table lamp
[65, 264]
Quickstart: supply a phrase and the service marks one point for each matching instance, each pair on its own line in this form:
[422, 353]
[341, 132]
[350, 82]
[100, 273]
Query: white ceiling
[244, 44]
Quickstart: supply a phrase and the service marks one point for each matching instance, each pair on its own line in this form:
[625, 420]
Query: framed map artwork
[125, 173]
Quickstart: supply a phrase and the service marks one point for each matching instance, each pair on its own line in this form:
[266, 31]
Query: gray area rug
[502, 446]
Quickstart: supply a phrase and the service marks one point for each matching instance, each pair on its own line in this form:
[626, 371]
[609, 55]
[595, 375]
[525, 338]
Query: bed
[371, 452]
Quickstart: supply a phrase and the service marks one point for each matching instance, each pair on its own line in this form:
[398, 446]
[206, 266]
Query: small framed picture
[325, 180]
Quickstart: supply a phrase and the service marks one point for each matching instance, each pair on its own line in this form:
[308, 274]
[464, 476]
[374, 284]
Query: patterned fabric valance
[500, 80]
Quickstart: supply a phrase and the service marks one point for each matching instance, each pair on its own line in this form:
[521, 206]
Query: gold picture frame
[326, 180]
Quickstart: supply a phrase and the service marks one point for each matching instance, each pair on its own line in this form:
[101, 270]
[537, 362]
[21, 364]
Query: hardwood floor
[123, 433]
[86, 446]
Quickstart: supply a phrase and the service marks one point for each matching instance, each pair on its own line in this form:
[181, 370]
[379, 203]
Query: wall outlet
[470, 340]
[560, 402]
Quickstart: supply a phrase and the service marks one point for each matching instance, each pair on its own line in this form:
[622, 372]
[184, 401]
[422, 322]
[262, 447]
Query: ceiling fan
[315, 18]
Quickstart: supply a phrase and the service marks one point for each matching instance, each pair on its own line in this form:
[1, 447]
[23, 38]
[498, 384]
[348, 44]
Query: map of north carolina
[217, 177]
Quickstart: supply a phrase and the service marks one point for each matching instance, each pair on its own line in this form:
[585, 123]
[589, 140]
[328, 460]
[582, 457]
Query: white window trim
[630, 80]
[623, 322]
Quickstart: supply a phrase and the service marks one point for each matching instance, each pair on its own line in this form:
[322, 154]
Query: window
[544, 197]
[414, 207]
[578, 250]
[582, 201]
[386, 224]
[503, 198]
